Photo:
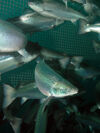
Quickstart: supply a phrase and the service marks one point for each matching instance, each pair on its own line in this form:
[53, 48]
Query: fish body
[50, 54]
[76, 61]
[84, 27]
[11, 37]
[63, 58]
[34, 22]
[51, 83]
[11, 61]
[56, 10]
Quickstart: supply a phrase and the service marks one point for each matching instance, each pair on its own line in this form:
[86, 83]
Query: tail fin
[8, 95]
[82, 27]
[64, 62]
[16, 124]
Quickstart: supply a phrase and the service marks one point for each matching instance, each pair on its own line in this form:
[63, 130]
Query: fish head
[36, 5]
[63, 89]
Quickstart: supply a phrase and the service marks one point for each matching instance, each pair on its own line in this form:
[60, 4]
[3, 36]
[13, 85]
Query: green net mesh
[64, 38]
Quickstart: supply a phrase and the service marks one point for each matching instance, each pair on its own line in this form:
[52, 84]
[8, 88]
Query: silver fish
[87, 73]
[51, 83]
[34, 22]
[8, 99]
[91, 8]
[12, 61]
[84, 27]
[11, 37]
[29, 91]
[50, 54]
[56, 10]
[63, 58]
[76, 60]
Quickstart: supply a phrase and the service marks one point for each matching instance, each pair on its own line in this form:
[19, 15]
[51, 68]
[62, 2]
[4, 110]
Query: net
[64, 38]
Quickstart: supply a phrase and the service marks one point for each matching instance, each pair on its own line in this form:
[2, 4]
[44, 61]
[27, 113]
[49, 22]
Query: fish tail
[8, 95]
[82, 27]
[64, 62]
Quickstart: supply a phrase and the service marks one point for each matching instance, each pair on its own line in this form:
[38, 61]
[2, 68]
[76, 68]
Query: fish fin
[64, 62]
[76, 61]
[39, 59]
[8, 95]
[96, 46]
[26, 56]
[74, 21]
[66, 2]
[23, 100]
[82, 26]
[45, 102]
[16, 124]
[23, 52]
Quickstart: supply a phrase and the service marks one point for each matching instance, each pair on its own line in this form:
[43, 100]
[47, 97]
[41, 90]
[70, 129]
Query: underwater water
[79, 114]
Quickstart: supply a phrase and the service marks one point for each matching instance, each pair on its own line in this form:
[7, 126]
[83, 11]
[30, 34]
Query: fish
[91, 8]
[51, 84]
[7, 92]
[56, 10]
[87, 72]
[84, 27]
[76, 61]
[15, 122]
[12, 38]
[34, 22]
[48, 54]
[10, 62]
[63, 58]
[29, 91]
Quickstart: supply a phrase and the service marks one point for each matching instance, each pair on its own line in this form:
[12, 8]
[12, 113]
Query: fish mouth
[73, 92]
